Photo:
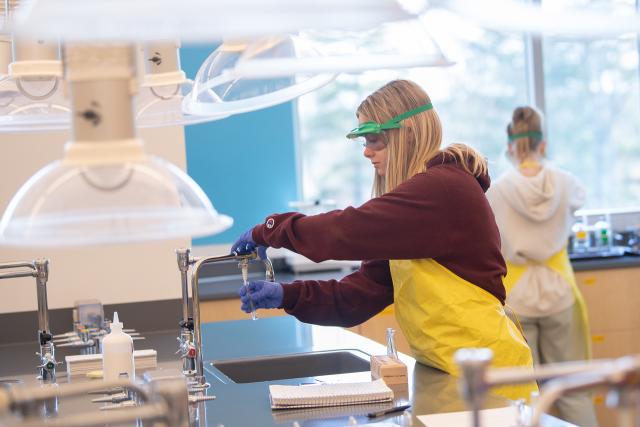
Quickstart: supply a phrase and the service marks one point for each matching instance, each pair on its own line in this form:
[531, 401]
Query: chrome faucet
[622, 376]
[186, 348]
[190, 340]
[39, 269]
[165, 402]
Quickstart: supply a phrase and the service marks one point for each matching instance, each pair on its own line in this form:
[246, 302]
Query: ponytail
[470, 159]
[525, 131]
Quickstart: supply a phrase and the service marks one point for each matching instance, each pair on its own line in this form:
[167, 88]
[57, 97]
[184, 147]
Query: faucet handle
[47, 361]
[189, 352]
[187, 349]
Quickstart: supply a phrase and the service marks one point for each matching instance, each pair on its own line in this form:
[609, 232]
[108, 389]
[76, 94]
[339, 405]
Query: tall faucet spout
[195, 295]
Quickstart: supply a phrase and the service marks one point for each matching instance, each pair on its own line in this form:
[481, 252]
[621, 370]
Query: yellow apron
[439, 313]
[580, 343]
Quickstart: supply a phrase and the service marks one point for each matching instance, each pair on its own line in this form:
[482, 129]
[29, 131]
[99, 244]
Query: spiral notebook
[303, 414]
[318, 395]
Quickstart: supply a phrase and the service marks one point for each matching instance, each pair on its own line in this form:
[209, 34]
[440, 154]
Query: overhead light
[32, 96]
[605, 19]
[162, 88]
[219, 89]
[31, 92]
[77, 204]
[106, 189]
[393, 45]
[245, 75]
[197, 20]
[32, 105]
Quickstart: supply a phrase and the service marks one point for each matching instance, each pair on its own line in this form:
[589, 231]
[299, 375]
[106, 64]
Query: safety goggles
[373, 128]
[534, 134]
[373, 141]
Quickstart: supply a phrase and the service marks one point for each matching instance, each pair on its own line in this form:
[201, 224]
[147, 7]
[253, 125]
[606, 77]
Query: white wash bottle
[117, 353]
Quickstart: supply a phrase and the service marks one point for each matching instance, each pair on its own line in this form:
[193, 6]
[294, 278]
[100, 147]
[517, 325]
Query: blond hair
[417, 141]
[525, 120]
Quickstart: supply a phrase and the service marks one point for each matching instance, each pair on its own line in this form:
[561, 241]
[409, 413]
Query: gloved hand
[263, 294]
[245, 245]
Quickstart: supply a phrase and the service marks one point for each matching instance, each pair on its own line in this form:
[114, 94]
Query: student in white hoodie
[534, 205]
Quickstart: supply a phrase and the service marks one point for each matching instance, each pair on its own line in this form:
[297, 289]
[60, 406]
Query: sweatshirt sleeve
[409, 222]
[346, 302]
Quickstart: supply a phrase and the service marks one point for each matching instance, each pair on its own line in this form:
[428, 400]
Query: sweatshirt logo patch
[270, 223]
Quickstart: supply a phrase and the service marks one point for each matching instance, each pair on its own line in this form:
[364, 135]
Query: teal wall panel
[245, 163]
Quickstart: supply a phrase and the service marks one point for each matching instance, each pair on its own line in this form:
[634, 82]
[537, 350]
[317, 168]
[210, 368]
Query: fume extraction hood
[105, 189]
[270, 51]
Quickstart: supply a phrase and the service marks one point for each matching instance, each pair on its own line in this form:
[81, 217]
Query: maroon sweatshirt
[441, 214]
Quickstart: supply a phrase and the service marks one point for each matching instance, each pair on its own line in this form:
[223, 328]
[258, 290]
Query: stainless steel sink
[299, 365]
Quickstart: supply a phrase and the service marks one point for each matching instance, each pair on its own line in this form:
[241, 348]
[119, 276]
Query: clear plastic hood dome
[162, 106]
[393, 45]
[66, 204]
[34, 105]
[219, 89]
[46, 109]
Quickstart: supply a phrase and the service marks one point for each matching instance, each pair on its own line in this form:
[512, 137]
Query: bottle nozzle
[116, 321]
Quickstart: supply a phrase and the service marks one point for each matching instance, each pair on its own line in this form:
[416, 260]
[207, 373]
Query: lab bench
[610, 287]
[428, 391]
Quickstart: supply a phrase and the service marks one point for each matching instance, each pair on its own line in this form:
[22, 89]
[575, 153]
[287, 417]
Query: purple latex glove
[264, 294]
[245, 245]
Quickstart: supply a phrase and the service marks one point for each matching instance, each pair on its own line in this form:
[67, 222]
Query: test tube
[391, 344]
[244, 266]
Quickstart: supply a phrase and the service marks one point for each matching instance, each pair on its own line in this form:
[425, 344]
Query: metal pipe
[15, 265]
[504, 376]
[28, 395]
[556, 388]
[183, 265]
[270, 275]
[150, 411]
[622, 374]
[39, 269]
[185, 339]
[473, 364]
[165, 401]
[17, 274]
[25, 400]
[42, 275]
[195, 295]
[18, 264]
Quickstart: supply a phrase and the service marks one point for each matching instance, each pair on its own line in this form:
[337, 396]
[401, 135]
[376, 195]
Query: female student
[534, 205]
[427, 240]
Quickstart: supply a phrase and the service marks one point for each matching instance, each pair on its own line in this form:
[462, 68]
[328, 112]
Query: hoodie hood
[535, 197]
[442, 159]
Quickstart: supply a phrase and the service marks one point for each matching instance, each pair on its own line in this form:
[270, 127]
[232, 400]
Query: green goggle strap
[394, 123]
[533, 134]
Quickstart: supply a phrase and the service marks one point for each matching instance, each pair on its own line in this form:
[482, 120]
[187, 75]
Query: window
[592, 108]
[474, 99]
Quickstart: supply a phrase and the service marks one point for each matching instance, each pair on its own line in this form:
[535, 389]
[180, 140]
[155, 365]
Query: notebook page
[307, 396]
